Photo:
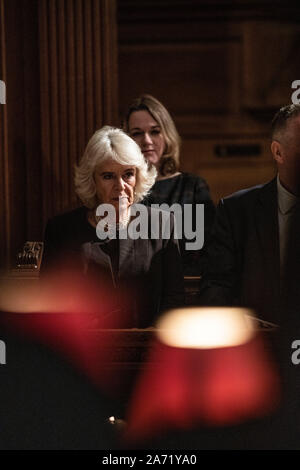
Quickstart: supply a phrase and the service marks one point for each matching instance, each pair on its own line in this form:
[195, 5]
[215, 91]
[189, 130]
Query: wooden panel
[4, 175]
[270, 63]
[203, 152]
[19, 127]
[30, 122]
[110, 62]
[202, 11]
[78, 88]
[58, 59]
[228, 174]
[222, 68]
[14, 128]
[224, 180]
[196, 78]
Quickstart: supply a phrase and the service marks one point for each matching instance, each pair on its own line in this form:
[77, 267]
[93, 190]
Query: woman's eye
[107, 176]
[136, 134]
[129, 174]
[155, 132]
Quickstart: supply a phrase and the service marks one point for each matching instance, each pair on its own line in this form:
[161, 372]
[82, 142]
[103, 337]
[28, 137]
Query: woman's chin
[151, 159]
[122, 208]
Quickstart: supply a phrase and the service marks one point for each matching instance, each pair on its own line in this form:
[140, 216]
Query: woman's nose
[120, 183]
[147, 138]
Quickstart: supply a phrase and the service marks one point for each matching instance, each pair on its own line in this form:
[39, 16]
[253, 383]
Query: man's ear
[277, 151]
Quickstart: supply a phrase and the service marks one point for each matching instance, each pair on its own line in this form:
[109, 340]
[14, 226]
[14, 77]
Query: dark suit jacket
[149, 270]
[242, 259]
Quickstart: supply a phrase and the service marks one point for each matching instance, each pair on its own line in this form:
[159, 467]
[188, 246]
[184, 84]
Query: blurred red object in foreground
[62, 312]
[207, 367]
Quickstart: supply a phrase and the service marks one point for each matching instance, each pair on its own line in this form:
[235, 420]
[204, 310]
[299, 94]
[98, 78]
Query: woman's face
[147, 133]
[115, 184]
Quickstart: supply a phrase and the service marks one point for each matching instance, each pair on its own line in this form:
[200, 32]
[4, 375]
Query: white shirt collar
[286, 200]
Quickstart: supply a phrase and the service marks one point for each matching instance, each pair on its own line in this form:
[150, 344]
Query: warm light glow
[206, 327]
[30, 297]
[111, 419]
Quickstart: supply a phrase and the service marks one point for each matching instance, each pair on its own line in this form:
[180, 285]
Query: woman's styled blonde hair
[111, 143]
[169, 162]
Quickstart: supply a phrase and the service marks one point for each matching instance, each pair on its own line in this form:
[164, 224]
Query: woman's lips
[119, 197]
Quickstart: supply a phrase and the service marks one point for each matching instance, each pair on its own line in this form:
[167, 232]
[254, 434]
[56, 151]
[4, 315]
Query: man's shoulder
[249, 195]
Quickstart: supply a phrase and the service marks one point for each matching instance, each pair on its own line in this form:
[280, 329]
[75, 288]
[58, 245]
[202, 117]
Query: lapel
[93, 252]
[134, 256]
[266, 218]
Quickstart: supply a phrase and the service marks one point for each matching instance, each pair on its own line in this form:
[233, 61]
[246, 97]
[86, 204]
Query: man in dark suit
[246, 254]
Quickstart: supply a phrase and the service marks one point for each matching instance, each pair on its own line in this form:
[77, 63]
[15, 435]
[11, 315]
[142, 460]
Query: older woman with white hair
[102, 236]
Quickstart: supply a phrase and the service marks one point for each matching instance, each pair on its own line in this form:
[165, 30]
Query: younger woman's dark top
[186, 188]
